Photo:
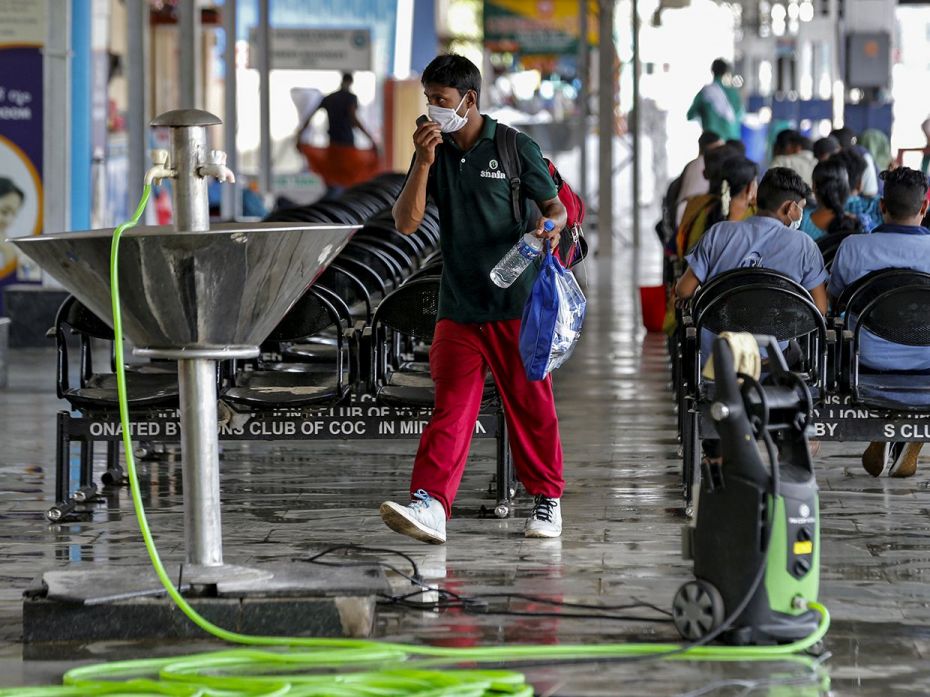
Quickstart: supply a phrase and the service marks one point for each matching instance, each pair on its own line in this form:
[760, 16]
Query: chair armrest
[61, 349]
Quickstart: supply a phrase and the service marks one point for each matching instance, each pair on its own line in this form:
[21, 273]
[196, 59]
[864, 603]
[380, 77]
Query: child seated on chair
[901, 242]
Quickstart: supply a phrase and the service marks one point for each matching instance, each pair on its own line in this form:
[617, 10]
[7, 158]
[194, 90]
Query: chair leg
[505, 477]
[87, 490]
[691, 451]
[114, 475]
[64, 504]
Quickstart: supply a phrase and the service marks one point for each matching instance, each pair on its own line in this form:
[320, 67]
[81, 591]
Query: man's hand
[425, 139]
[552, 235]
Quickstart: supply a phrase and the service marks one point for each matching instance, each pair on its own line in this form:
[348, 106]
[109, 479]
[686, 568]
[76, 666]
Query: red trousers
[459, 359]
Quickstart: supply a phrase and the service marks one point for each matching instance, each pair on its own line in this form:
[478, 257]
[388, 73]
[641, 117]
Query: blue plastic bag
[552, 319]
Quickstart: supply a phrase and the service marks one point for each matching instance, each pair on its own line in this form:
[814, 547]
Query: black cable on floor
[450, 600]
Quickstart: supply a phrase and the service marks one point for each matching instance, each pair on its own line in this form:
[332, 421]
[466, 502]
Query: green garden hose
[279, 665]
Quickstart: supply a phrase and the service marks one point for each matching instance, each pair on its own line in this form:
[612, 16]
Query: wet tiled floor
[622, 519]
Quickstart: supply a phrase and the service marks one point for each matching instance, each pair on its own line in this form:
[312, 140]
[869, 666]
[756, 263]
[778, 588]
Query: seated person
[732, 197]
[739, 147]
[831, 190]
[768, 240]
[693, 182]
[847, 139]
[899, 243]
[859, 204]
[825, 147]
[792, 150]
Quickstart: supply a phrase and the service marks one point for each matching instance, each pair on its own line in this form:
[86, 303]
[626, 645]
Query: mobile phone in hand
[421, 119]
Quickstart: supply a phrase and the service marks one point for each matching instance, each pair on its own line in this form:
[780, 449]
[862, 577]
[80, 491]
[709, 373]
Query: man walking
[478, 325]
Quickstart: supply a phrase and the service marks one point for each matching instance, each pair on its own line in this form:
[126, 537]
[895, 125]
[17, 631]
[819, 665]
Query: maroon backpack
[572, 245]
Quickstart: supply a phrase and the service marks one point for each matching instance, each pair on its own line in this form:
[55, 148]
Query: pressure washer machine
[755, 538]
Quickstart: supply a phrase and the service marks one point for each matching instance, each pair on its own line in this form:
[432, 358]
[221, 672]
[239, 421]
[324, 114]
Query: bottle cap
[549, 226]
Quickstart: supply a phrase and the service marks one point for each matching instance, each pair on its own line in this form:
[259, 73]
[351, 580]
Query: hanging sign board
[22, 36]
[317, 49]
[536, 27]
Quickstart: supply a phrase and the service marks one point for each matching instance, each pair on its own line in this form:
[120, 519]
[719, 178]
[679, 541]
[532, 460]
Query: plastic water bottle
[521, 255]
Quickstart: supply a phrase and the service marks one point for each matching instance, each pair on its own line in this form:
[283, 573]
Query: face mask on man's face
[796, 224]
[448, 119]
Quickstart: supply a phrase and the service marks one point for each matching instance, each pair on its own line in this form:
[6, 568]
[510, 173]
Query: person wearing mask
[900, 242]
[768, 240]
[478, 325]
[866, 208]
[831, 191]
[826, 147]
[847, 140]
[793, 150]
[718, 106]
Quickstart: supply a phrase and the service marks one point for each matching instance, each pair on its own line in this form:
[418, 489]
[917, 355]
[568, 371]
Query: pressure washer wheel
[816, 650]
[697, 609]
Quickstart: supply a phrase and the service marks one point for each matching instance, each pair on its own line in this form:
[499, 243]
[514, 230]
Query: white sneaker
[545, 520]
[423, 518]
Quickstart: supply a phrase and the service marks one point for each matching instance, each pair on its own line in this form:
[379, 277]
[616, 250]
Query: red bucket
[652, 300]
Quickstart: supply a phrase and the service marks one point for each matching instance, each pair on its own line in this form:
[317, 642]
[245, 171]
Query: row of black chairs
[823, 352]
[360, 332]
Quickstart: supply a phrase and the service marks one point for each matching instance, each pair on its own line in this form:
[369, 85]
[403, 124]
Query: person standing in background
[341, 164]
[341, 109]
[718, 106]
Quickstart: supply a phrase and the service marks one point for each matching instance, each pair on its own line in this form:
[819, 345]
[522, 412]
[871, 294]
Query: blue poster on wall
[22, 35]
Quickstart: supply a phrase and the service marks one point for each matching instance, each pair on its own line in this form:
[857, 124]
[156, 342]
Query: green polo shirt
[477, 226]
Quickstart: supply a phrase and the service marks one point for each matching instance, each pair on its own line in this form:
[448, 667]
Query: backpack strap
[505, 138]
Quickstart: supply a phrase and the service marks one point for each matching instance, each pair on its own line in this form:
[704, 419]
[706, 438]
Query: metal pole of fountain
[191, 164]
[197, 296]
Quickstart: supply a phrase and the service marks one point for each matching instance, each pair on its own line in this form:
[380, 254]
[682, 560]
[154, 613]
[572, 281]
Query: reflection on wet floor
[621, 542]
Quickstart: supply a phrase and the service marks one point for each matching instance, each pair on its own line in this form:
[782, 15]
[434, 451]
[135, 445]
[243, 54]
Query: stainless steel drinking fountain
[196, 295]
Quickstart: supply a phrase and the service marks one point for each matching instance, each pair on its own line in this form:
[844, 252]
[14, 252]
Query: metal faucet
[159, 169]
[215, 166]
